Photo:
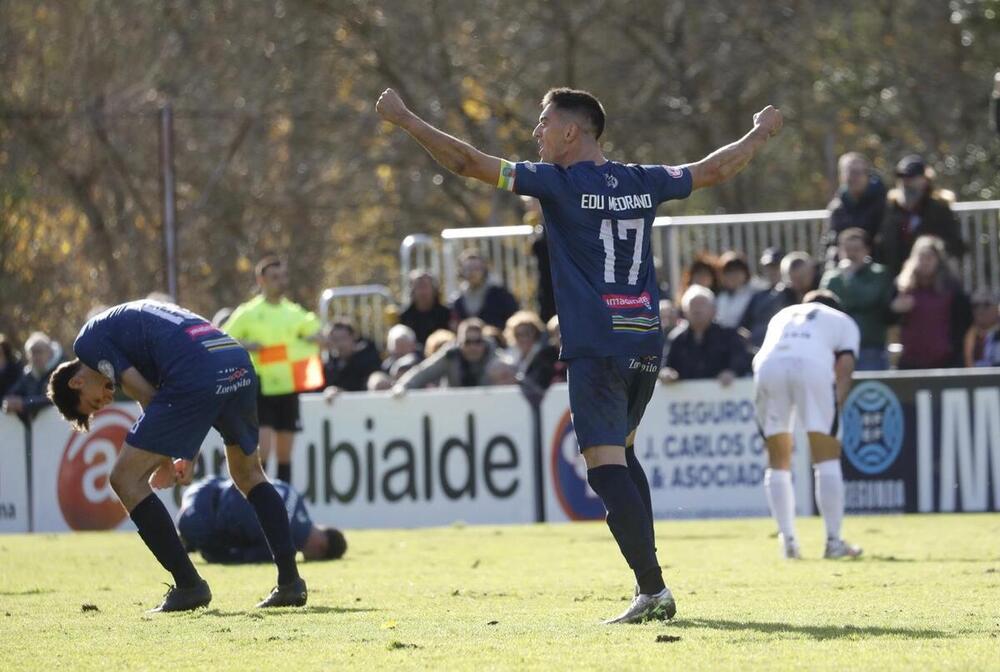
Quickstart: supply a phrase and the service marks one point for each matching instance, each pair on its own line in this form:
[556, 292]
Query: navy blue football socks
[285, 472]
[629, 523]
[156, 529]
[642, 485]
[274, 521]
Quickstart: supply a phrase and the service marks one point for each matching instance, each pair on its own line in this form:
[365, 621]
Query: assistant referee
[282, 338]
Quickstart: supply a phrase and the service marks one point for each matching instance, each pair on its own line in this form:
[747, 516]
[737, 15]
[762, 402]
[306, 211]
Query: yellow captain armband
[506, 180]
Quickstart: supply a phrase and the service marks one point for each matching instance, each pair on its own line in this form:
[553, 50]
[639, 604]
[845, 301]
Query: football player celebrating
[598, 218]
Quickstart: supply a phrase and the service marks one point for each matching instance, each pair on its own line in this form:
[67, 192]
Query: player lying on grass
[803, 370]
[216, 519]
[188, 377]
[598, 218]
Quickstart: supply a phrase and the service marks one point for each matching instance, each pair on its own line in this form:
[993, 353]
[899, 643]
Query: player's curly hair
[65, 398]
[580, 102]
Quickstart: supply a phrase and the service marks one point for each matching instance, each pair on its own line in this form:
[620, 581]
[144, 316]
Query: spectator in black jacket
[766, 303]
[349, 359]
[10, 366]
[27, 396]
[701, 348]
[859, 202]
[916, 207]
[480, 297]
[425, 314]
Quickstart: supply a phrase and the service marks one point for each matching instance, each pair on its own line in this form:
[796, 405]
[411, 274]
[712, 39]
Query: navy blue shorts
[181, 413]
[608, 395]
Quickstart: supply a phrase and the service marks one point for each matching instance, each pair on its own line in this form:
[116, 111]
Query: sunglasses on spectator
[473, 341]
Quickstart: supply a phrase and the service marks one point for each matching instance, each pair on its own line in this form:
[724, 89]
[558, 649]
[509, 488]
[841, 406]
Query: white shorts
[793, 388]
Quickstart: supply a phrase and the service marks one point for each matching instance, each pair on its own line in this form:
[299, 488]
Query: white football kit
[793, 371]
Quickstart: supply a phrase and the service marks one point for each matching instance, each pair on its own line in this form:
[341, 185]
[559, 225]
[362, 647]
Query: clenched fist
[769, 119]
[391, 107]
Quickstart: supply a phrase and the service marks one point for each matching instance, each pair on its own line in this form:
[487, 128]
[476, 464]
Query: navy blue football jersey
[599, 221]
[160, 340]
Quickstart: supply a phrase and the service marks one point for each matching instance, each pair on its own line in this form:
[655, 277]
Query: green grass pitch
[925, 596]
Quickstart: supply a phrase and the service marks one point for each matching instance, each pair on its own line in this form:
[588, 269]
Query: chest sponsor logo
[626, 301]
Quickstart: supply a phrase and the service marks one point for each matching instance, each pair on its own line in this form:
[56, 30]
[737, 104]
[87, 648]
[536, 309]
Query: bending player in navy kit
[188, 377]
[598, 218]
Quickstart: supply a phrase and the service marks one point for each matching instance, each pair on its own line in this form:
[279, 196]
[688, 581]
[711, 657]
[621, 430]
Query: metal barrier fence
[373, 309]
[678, 240]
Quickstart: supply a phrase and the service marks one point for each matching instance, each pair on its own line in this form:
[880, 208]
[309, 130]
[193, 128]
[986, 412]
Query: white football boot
[658, 607]
[838, 548]
[789, 548]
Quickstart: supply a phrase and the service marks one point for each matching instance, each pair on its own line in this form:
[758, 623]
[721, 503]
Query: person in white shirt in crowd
[803, 373]
[736, 288]
[403, 353]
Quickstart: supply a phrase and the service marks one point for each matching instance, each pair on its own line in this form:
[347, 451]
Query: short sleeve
[236, 325]
[850, 337]
[309, 325]
[534, 179]
[98, 352]
[668, 182]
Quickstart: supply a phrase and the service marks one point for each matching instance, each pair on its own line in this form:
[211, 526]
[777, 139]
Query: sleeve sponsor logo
[674, 172]
[200, 330]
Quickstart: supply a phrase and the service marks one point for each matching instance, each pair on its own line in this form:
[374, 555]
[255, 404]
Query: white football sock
[830, 495]
[781, 499]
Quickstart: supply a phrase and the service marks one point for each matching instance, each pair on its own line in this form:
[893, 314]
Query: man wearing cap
[915, 208]
[766, 303]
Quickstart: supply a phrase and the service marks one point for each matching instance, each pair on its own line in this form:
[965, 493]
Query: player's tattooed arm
[137, 387]
[725, 162]
[456, 155]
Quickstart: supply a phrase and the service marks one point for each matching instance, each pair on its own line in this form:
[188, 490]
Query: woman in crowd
[535, 360]
[425, 313]
[735, 289]
[703, 270]
[934, 310]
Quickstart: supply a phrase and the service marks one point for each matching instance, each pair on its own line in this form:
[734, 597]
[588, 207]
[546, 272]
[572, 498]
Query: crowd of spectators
[23, 383]
[890, 255]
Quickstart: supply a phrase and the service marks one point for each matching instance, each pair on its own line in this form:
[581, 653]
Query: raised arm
[456, 155]
[725, 162]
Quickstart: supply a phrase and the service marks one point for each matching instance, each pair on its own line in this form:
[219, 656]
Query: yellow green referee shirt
[287, 361]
